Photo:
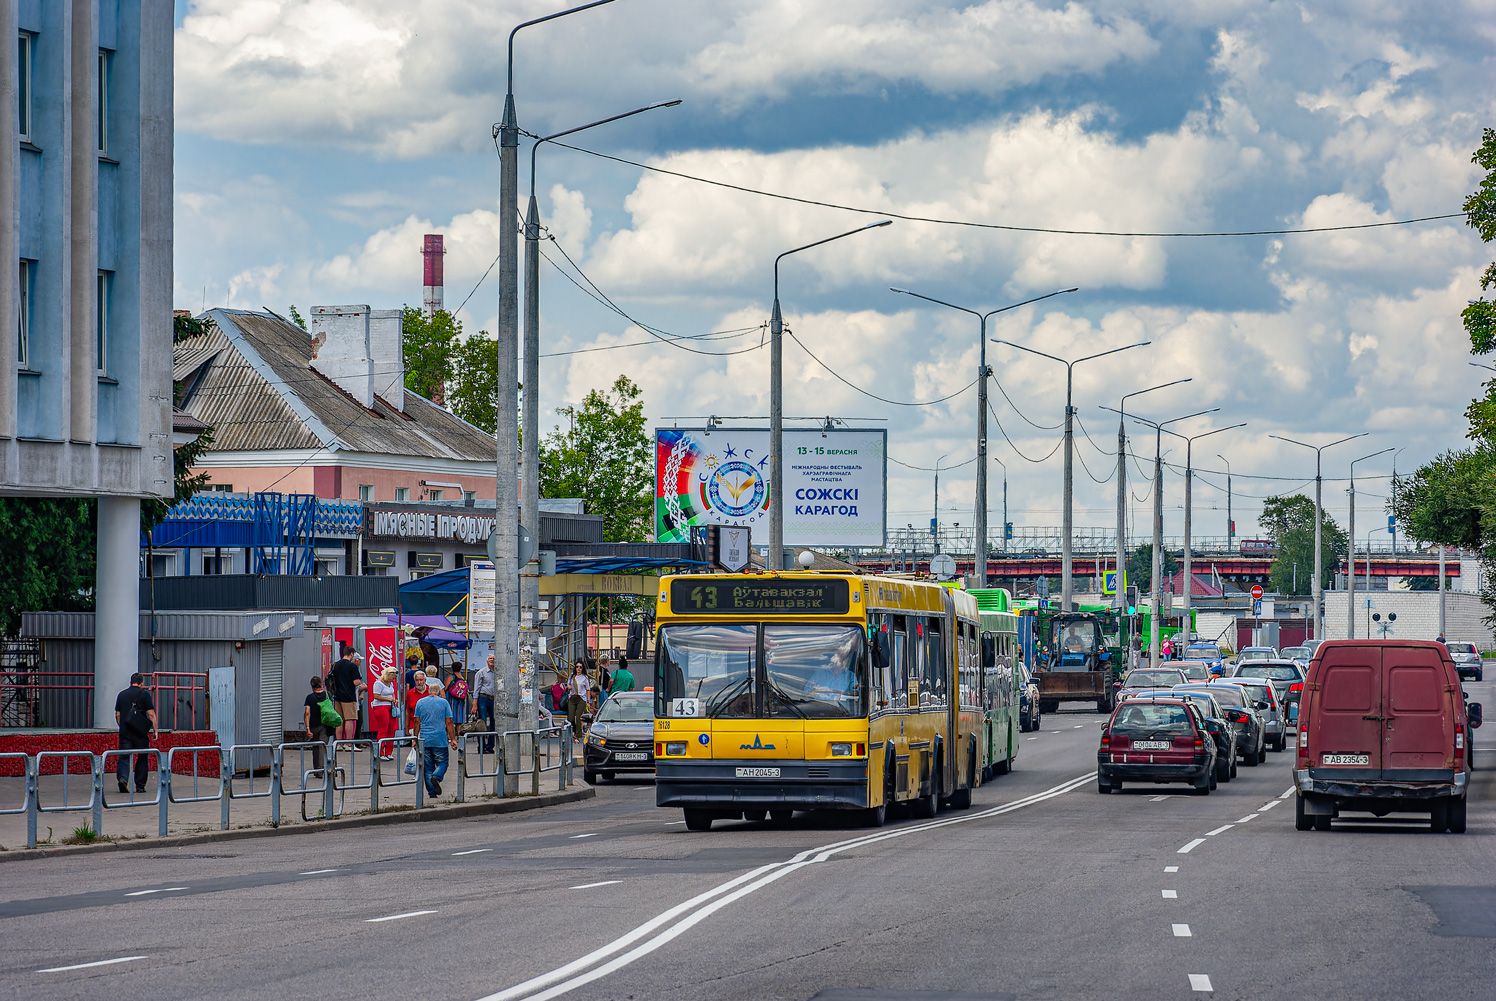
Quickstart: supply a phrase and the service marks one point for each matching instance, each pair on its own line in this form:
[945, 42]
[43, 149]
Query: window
[102, 338]
[435, 494]
[402, 493]
[366, 492]
[217, 564]
[222, 488]
[161, 565]
[468, 496]
[327, 568]
[23, 317]
[23, 92]
[104, 61]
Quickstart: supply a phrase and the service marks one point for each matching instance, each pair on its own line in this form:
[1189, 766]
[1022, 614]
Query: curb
[456, 811]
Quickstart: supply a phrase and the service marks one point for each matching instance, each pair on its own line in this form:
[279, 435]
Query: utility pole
[1120, 600]
[1350, 583]
[1316, 587]
[935, 519]
[1230, 522]
[1441, 591]
[983, 374]
[506, 485]
[1189, 478]
[1067, 519]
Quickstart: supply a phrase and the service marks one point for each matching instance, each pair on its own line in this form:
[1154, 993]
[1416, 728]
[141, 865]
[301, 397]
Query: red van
[1383, 729]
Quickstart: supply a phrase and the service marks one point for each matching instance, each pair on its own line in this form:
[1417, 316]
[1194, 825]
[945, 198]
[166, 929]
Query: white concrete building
[1417, 616]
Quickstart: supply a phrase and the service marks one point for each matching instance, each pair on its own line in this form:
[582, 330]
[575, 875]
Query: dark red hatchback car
[1156, 740]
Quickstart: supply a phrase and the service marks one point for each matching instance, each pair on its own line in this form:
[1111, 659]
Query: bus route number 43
[685, 708]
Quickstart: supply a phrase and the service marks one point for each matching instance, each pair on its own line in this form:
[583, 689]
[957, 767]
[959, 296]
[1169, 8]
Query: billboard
[835, 482]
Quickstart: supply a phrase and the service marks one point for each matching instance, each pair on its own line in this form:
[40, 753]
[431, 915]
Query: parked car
[1466, 660]
[622, 738]
[1255, 653]
[1144, 680]
[1224, 734]
[1194, 670]
[1029, 713]
[1301, 653]
[1384, 729]
[1156, 740]
[1250, 729]
[1208, 652]
[1287, 677]
[1274, 726]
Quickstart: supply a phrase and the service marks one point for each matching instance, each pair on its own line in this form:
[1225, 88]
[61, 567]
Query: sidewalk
[250, 805]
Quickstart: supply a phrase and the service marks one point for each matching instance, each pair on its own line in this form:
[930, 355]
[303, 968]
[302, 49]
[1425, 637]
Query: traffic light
[1132, 599]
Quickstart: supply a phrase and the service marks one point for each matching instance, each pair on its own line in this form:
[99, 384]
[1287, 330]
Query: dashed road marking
[164, 889]
[1031, 738]
[575, 837]
[1170, 894]
[1191, 846]
[1171, 868]
[1246, 818]
[397, 917]
[318, 872]
[1286, 794]
[674, 823]
[1268, 806]
[1077, 726]
[473, 851]
[85, 966]
[1159, 799]
[1219, 830]
[1182, 931]
[588, 886]
[1200, 982]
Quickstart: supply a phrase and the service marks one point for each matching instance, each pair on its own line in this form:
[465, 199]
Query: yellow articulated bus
[800, 690]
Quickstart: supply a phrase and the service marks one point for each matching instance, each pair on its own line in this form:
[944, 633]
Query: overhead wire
[1016, 450]
[1020, 413]
[931, 469]
[875, 396]
[1000, 226]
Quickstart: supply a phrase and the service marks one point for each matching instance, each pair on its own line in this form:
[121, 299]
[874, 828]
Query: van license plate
[1150, 745]
[758, 773]
[632, 756]
[1345, 759]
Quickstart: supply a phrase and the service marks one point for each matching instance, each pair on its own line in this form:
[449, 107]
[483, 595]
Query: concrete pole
[116, 604]
[1005, 510]
[506, 487]
[1350, 582]
[981, 512]
[529, 584]
[935, 511]
[1441, 592]
[1066, 589]
[1121, 597]
[1317, 588]
[1189, 566]
[775, 560]
[1155, 640]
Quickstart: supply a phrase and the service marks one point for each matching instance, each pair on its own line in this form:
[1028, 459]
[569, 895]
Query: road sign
[1108, 582]
[1257, 605]
[1256, 592]
[943, 565]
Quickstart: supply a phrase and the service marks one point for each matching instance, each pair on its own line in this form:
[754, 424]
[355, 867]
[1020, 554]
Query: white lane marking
[1170, 894]
[1286, 794]
[1200, 982]
[1219, 830]
[588, 886]
[318, 872]
[1077, 726]
[1158, 799]
[85, 966]
[1268, 806]
[1031, 738]
[574, 837]
[473, 851]
[691, 912]
[1181, 931]
[396, 917]
[1246, 818]
[675, 823]
[1191, 846]
[1171, 868]
[164, 889]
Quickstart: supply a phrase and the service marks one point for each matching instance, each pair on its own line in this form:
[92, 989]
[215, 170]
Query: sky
[317, 140]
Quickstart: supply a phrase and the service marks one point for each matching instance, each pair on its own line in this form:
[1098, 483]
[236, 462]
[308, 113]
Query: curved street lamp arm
[1103, 354]
[1203, 434]
[542, 20]
[589, 125]
[796, 250]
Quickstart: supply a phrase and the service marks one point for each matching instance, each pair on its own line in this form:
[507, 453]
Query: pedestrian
[604, 680]
[457, 693]
[558, 696]
[311, 716]
[576, 701]
[346, 681]
[433, 715]
[623, 679]
[415, 693]
[484, 690]
[384, 711]
[412, 665]
[135, 715]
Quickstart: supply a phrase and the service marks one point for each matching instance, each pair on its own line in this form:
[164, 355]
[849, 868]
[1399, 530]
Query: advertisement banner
[481, 589]
[835, 484]
[379, 653]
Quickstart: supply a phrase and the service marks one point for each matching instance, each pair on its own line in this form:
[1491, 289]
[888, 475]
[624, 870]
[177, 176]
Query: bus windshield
[782, 671]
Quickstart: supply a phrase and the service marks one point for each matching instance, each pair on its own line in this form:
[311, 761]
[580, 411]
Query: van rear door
[1346, 731]
[1418, 735]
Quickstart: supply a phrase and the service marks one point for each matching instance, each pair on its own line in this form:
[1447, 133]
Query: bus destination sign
[768, 596]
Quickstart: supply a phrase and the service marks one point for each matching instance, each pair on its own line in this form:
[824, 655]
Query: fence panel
[495, 740]
[397, 746]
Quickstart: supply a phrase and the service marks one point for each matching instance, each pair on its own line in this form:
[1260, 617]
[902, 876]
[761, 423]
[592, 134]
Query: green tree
[1289, 522]
[47, 545]
[429, 345]
[604, 458]
[296, 317]
[1140, 567]
[474, 390]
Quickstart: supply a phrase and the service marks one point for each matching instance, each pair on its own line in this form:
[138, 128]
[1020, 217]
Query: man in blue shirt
[434, 715]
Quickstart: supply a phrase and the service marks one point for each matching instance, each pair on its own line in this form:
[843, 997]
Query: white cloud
[571, 219]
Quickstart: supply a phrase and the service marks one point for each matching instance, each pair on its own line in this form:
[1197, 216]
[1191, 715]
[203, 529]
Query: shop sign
[466, 528]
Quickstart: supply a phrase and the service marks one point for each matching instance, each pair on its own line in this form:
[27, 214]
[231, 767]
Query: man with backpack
[322, 720]
[135, 715]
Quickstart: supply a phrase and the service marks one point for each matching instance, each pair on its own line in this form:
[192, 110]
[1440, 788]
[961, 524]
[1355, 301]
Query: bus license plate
[758, 773]
[1150, 745]
[632, 756]
[1345, 759]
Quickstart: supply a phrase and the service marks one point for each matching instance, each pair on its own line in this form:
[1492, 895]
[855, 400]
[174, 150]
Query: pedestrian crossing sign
[1109, 582]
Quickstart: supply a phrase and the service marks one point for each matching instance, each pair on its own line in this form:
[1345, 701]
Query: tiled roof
[251, 379]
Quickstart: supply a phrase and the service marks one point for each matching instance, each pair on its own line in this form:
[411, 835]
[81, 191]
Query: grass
[82, 835]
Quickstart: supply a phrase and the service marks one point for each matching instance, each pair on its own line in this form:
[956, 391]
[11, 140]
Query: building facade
[86, 231]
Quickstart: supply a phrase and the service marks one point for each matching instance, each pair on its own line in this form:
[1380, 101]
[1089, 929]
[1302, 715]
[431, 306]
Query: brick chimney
[360, 349]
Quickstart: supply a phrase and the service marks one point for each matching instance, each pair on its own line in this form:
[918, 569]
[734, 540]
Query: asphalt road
[1043, 889]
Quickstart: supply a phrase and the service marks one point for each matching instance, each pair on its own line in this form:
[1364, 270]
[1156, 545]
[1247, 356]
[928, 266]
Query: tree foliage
[1140, 567]
[473, 393]
[604, 456]
[184, 325]
[187, 482]
[1289, 522]
[452, 371]
[47, 545]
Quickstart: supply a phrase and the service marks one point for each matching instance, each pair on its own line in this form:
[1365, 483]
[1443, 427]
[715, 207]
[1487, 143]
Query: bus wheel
[698, 820]
[874, 816]
[961, 798]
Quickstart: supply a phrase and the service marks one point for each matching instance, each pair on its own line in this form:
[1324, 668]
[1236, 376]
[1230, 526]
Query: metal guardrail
[550, 751]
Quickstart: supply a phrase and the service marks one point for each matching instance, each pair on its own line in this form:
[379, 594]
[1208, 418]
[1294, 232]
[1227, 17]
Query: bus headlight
[675, 747]
[841, 750]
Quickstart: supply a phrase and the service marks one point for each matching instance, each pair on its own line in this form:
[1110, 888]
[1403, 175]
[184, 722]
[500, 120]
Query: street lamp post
[1392, 522]
[1230, 523]
[1317, 587]
[983, 372]
[1155, 600]
[1067, 586]
[1189, 476]
[1350, 580]
[506, 473]
[1120, 599]
[935, 511]
[776, 404]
